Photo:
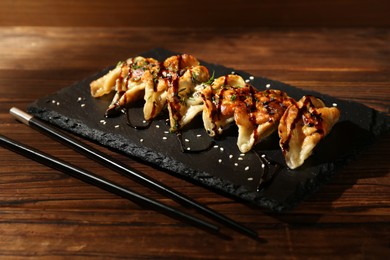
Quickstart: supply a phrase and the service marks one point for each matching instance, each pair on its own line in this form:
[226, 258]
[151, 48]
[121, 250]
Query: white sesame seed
[247, 80]
[58, 103]
[165, 138]
[247, 169]
[250, 179]
[251, 78]
[166, 132]
[221, 149]
[215, 146]
[240, 158]
[242, 154]
[233, 72]
[141, 140]
[231, 156]
[101, 121]
[157, 126]
[82, 105]
[334, 104]
[104, 123]
[53, 101]
[235, 164]
[263, 156]
[219, 160]
[188, 148]
[79, 99]
[268, 85]
[198, 135]
[263, 165]
[186, 140]
[117, 126]
[144, 122]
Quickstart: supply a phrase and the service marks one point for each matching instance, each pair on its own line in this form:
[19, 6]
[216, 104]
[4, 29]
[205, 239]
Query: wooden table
[46, 214]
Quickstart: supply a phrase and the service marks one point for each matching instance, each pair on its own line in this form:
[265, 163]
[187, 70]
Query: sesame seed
[221, 149]
[268, 85]
[251, 78]
[82, 105]
[141, 140]
[240, 158]
[246, 168]
[165, 138]
[166, 132]
[188, 148]
[263, 165]
[117, 126]
[186, 140]
[215, 146]
[263, 156]
[157, 126]
[233, 72]
[79, 99]
[58, 103]
[198, 135]
[247, 80]
[231, 156]
[242, 154]
[53, 101]
[235, 164]
[334, 104]
[250, 179]
[219, 160]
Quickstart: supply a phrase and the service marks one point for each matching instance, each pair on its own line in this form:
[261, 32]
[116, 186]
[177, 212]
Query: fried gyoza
[302, 126]
[129, 79]
[173, 83]
[179, 84]
[256, 113]
[182, 77]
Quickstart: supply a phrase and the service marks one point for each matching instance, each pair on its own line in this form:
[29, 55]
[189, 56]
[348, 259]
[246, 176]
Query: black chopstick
[125, 170]
[100, 182]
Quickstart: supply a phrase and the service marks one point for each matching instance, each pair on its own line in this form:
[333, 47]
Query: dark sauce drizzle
[184, 149]
[315, 120]
[268, 172]
[138, 127]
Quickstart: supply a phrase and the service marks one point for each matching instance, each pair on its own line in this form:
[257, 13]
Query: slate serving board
[222, 168]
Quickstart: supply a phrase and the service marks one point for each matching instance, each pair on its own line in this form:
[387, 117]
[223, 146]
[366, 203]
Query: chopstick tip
[20, 115]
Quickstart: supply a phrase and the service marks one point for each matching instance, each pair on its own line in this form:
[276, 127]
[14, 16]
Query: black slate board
[221, 168]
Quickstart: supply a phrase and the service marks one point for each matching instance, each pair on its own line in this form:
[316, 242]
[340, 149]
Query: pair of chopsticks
[119, 167]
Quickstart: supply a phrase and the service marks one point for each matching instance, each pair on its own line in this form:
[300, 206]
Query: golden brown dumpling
[302, 127]
[256, 113]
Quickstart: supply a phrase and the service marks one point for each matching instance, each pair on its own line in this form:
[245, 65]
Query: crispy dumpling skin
[256, 113]
[136, 74]
[218, 110]
[183, 96]
[260, 116]
[105, 84]
[303, 125]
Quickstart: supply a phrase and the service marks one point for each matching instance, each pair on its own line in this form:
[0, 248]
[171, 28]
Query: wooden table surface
[46, 214]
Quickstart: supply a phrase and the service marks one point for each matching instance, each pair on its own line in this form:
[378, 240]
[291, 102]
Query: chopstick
[125, 170]
[100, 182]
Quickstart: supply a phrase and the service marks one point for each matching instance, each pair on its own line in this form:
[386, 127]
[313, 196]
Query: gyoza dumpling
[219, 100]
[156, 95]
[259, 116]
[136, 74]
[256, 113]
[302, 127]
[184, 96]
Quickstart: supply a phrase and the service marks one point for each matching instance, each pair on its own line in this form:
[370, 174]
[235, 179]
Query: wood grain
[45, 214]
[202, 13]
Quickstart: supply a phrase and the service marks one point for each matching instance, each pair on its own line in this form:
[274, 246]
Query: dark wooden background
[341, 48]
